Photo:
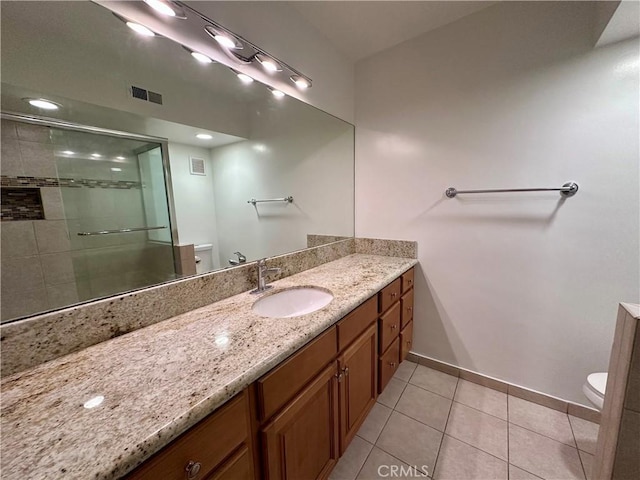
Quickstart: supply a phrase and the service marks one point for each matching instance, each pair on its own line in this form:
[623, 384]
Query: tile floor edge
[524, 393]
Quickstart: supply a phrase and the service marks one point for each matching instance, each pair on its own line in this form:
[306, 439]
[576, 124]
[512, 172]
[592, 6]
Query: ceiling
[362, 28]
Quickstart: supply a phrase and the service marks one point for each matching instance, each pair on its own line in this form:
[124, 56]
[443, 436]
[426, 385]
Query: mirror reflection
[110, 192]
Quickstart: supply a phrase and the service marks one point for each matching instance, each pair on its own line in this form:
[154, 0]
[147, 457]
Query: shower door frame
[164, 146]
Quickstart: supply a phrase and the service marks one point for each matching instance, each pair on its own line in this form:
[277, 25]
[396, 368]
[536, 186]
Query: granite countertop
[160, 380]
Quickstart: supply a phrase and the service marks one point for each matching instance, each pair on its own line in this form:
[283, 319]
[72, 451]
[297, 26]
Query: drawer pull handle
[410, 309]
[393, 327]
[392, 364]
[339, 376]
[193, 469]
[393, 294]
[345, 370]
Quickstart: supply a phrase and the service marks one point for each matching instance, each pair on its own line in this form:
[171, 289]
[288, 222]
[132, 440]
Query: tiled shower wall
[45, 264]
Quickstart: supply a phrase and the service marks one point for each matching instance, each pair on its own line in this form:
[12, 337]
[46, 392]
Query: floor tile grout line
[365, 460]
[445, 428]
[584, 470]
[482, 411]
[546, 436]
[431, 391]
[525, 470]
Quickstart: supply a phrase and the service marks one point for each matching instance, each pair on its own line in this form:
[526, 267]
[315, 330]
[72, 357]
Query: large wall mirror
[111, 192]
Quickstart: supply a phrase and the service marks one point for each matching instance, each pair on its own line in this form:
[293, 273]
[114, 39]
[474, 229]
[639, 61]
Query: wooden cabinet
[301, 442]
[312, 429]
[296, 420]
[207, 450]
[406, 341]
[280, 385]
[395, 326]
[358, 390]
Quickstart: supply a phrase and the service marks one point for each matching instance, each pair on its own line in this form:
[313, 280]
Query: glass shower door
[116, 210]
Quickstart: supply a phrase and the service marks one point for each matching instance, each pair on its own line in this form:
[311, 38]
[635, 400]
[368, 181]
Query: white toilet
[204, 257]
[594, 388]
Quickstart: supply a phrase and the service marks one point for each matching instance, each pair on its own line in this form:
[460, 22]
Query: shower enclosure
[97, 205]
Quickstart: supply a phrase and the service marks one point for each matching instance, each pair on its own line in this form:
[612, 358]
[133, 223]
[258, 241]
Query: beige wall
[520, 287]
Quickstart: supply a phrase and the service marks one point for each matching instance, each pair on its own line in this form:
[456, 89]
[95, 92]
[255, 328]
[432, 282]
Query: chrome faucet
[262, 271]
[241, 259]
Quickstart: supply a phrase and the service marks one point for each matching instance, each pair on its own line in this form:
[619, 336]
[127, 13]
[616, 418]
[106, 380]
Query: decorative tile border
[543, 399]
[7, 181]
[21, 204]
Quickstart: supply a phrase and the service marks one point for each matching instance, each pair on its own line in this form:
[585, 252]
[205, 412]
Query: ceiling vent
[196, 166]
[146, 95]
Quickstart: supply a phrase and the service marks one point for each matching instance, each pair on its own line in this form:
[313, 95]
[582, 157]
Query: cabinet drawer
[388, 364]
[406, 340]
[281, 384]
[389, 295]
[389, 327]
[208, 443]
[351, 326]
[238, 467]
[407, 307]
[407, 280]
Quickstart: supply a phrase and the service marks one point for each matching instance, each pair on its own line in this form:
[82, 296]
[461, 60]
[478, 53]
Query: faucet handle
[262, 262]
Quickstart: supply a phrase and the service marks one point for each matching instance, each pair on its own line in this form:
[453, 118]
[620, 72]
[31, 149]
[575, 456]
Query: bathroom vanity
[219, 392]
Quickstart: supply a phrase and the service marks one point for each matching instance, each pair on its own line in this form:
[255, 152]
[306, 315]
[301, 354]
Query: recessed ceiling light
[201, 57]
[68, 152]
[116, 169]
[161, 7]
[244, 78]
[277, 93]
[223, 38]
[96, 155]
[120, 158]
[140, 29]
[300, 81]
[204, 136]
[94, 402]
[42, 103]
[268, 63]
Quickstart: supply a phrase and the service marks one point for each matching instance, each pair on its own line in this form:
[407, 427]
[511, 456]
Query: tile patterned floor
[460, 430]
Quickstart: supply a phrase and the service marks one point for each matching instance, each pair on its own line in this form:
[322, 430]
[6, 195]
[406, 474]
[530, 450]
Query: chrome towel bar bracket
[569, 189]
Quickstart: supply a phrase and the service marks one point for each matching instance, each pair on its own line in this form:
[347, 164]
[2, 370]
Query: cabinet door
[302, 441]
[407, 308]
[406, 340]
[358, 388]
[389, 326]
[388, 364]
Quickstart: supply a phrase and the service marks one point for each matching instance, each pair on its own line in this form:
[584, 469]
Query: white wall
[291, 151]
[275, 27]
[522, 287]
[194, 198]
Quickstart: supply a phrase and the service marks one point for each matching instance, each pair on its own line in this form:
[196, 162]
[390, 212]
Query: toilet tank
[204, 257]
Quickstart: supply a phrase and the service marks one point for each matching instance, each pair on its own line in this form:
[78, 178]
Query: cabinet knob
[339, 376]
[410, 309]
[193, 469]
[392, 364]
[345, 370]
[393, 294]
[393, 327]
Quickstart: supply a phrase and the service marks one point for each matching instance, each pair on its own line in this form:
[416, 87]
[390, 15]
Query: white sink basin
[293, 302]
